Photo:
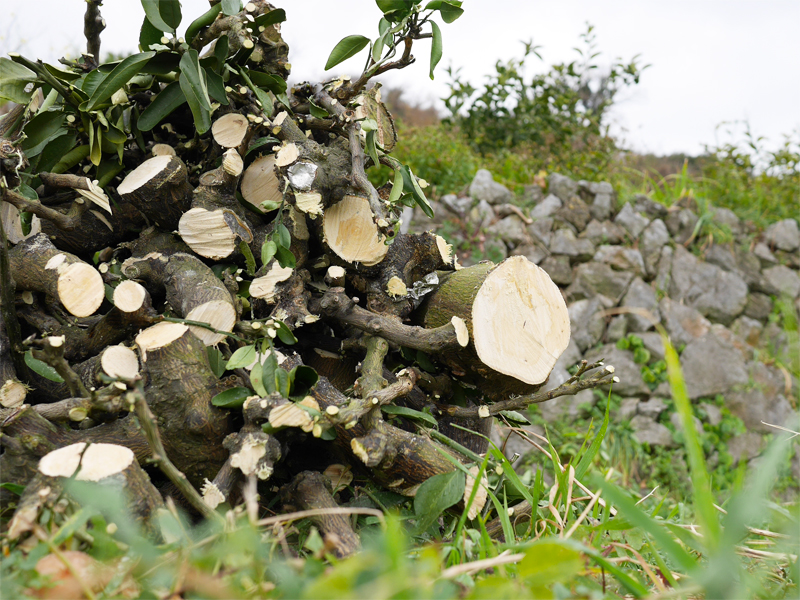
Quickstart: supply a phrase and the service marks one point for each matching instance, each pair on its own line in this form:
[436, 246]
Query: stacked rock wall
[713, 282]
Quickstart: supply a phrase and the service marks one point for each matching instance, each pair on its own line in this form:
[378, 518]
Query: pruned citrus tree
[197, 274]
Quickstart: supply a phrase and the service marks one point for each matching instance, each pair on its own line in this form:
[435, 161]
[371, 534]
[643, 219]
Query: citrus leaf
[121, 74]
[276, 15]
[149, 34]
[303, 379]
[13, 80]
[347, 47]
[42, 368]
[437, 494]
[231, 7]
[170, 98]
[257, 379]
[242, 357]
[193, 85]
[232, 398]
[216, 360]
[268, 251]
[409, 413]
[450, 11]
[515, 417]
[163, 14]
[285, 257]
[436, 46]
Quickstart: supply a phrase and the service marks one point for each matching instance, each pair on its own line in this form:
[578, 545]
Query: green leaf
[268, 368]
[277, 15]
[161, 64]
[216, 360]
[548, 562]
[163, 14]
[303, 379]
[284, 238]
[397, 187]
[437, 494]
[410, 183]
[409, 413]
[349, 46]
[283, 384]
[285, 334]
[515, 417]
[594, 448]
[285, 257]
[257, 379]
[13, 80]
[450, 11]
[95, 144]
[317, 111]
[232, 398]
[55, 150]
[242, 357]
[149, 34]
[250, 260]
[42, 129]
[121, 74]
[193, 85]
[42, 368]
[260, 142]
[221, 52]
[436, 46]
[231, 7]
[14, 488]
[268, 250]
[395, 10]
[170, 98]
[275, 84]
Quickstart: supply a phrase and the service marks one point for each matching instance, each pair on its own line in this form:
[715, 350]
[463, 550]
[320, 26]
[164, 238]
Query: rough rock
[546, 207]
[631, 221]
[627, 409]
[727, 219]
[761, 400]
[641, 295]
[533, 252]
[719, 295]
[596, 187]
[748, 329]
[561, 186]
[620, 258]
[653, 239]
[511, 443]
[495, 250]
[576, 212]
[602, 206]
[652, 408]
[564, 242]
[532, 193]
[569, 407]
[722, 255]
[713, 413]
[762, 252]
[598, 278]
[784, 279]
[663, 271]
[783, 235]
[511, 230]
[683, 323]
[651, 208]
[681, 224]
[629, 373]
[587, 323]
[648, 431]
[745, 446]
[758, 307]
[456, 205]
[558, 268]
[484, 187]
[653, 343]
[711, 367]
[603, 232]
[541, 230]
[675, 419]
[617, 328]
[482, 215]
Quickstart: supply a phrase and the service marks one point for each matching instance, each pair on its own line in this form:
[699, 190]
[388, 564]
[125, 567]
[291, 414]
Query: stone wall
[711, 280]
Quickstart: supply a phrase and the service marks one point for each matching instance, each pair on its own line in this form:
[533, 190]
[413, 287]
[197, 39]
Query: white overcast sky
[712, 60]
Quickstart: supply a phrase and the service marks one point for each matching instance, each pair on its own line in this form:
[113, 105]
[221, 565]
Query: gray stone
[617, 328]
[640, 295]
[482, 215]
[722, 255]
[587, 323]
[604, 232]
[784, 279]
[783, 235]
[663, 389]
[745, 446]
[533, 252]
[675, 419]
[456, 205]
[651, 208]
[541, 230]
[761, 400]
[495, 250]
[711, 367]
[681, 224]
[546, 207]
[568, 407]
[748, 329]
[727, 219]
[653, 343]
[569, 358]
[558, 268]
[631, 221]
[532, 193]
[627, 409]
[683, 323]
[602, 206]
[652, 408]
[484, 187]
[762, 252]
[511, 230]
[561, 186]
[713, 413]
[628, 372]
[564, 242]
[596, 187]
[653, 239]
[748, 266]
[647, 431]
[598, 278]
[759, 306]
[620, 258]
[664, 269]
[575, 212]
[511, 443]
[719, 295]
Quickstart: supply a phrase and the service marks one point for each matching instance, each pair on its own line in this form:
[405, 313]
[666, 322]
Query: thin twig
[93, 25]
[504, 558]
[316, 512]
